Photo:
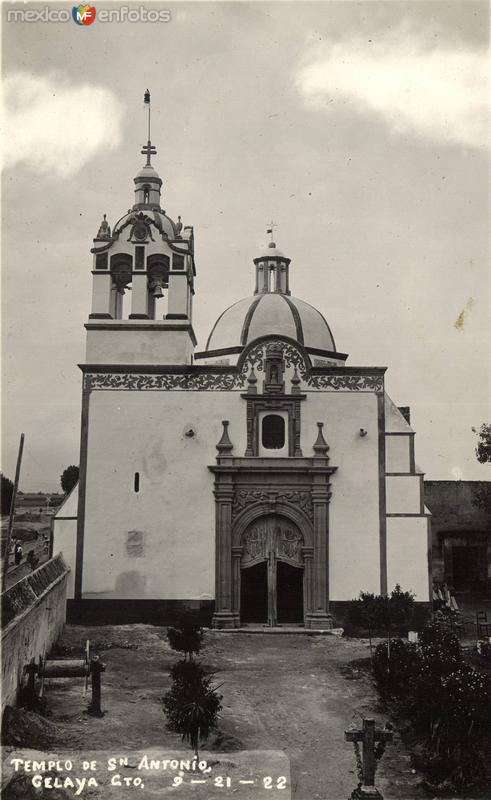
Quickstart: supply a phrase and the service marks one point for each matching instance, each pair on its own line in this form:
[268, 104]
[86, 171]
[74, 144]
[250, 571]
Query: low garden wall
[33, 615]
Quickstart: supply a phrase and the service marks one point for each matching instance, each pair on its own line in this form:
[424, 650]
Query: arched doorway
[272, 572]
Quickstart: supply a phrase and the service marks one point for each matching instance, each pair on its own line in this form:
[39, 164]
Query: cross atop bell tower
[148, 149]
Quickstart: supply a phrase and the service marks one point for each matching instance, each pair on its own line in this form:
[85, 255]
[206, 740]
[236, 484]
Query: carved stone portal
[275, 513]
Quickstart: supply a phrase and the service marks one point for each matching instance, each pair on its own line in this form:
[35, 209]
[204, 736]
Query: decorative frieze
[255, 361]
[351, 383]
[204, 382]
[247, 497]
[201, 382]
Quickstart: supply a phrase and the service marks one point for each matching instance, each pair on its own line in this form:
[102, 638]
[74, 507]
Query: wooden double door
[272, 573]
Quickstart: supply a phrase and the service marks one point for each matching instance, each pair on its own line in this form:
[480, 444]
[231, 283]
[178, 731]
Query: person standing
[18, 553]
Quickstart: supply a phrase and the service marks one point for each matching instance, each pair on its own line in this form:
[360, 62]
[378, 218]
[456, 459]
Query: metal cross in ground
[368, 736]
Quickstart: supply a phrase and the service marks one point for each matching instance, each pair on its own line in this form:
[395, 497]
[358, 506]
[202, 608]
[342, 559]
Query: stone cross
[368, 736]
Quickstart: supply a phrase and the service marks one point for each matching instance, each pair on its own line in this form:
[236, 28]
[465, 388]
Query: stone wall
[33, 615]
[459, 521]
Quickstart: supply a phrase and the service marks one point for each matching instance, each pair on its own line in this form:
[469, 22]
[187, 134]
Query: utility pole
[12, 513]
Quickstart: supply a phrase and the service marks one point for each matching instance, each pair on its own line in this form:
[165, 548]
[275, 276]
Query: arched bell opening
[121, 266]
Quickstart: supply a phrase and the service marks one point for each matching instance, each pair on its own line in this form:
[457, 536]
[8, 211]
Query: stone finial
[178, 226]
[252, 382]
[225, 446]
[295, 381]
[320, 446]
[104, 231]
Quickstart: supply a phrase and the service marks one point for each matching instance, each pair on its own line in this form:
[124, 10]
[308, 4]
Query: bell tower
[150, 257]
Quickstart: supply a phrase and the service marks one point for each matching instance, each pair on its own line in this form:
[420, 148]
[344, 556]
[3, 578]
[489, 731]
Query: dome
[148, 173]
[267, 314]
[271, 251]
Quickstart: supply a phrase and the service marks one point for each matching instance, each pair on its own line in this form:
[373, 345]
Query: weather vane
[148, 149]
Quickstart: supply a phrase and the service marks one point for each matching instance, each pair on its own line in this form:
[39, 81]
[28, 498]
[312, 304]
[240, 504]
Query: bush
[377, 612]
[395, 665]
[426, 691]
[448, 701]
[457, 735]
[187, 636]
[192, 704]
[435, 633]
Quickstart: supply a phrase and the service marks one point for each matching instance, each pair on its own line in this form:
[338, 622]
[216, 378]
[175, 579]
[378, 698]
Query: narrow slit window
[273, 432]
[137, 481]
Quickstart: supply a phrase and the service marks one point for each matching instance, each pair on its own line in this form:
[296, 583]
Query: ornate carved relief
[247, 497]
[289, 544]
[254, 544]
[291, 356]
[272, 538]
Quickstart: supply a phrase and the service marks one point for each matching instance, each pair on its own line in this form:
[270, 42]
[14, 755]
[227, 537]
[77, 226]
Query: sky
[360, 128]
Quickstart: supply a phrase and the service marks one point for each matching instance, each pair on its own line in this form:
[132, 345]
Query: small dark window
[139, 257]
[137, 481]
[273, 432]
[177, 261]
[101, 261]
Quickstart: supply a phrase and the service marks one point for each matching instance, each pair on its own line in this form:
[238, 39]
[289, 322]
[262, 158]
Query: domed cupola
[271, 311]
[272, 271]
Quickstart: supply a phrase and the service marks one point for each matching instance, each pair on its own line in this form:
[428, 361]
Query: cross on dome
[149, 149]
[272, 226]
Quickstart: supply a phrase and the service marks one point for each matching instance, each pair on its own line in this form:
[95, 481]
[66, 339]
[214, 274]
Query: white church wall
[65, 542]
[64, 527]
[138, 346]
[398, 453]
[407, 555]
[159, 542]
[354, 530]
[403, 494]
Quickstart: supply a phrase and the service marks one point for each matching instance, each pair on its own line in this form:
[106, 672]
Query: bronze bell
[157, 290]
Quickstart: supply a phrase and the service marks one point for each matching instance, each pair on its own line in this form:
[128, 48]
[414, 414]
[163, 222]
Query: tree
[483, 448]
[69, 478]
[482, 492]
[7, 490]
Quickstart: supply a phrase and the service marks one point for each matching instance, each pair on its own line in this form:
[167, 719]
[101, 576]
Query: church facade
[260, 479]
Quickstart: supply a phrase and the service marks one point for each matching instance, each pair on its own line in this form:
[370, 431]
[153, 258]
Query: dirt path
[288, 693]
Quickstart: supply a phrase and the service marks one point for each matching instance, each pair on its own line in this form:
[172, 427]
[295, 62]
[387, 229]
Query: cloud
[53, 127]
[437, 92]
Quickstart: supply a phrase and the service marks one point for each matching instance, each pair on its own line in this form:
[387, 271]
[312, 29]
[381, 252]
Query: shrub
[395, 666]
[380, 612]
[457, 735]
[187, 636]
[448, 701]
[436, 633]
[192, 704]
